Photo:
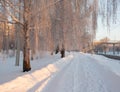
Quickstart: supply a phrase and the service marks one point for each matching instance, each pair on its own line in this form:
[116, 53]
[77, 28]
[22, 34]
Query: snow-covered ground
[77, 72]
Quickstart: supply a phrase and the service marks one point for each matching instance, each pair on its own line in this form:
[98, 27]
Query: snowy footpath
[77, 72]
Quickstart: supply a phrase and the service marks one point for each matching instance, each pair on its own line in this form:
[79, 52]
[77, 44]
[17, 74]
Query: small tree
[62, 52]
[57, 50]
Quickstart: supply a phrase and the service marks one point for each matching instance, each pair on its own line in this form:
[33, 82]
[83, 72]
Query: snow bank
[108, 71]
[35, 80]
[111, 64]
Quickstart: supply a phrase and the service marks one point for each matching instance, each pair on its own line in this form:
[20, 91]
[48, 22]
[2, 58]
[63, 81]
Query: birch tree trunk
[18, 39]
[17, 45]
[26, 50]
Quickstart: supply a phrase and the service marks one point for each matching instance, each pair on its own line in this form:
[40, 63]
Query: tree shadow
[10, 72]
[37, 85]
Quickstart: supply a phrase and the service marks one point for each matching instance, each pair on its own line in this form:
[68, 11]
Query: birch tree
[9, 8]
[49, 23]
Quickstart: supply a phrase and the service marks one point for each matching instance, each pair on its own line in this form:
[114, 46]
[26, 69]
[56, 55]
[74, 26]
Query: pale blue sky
[113, 34]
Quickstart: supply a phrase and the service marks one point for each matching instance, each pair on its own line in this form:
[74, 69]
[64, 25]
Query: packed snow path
[84, 74]
[77, 72]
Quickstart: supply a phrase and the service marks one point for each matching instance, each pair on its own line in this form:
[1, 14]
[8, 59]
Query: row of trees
[43, 25]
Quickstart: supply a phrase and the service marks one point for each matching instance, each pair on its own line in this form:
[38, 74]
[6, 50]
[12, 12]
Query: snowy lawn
[77, 72]
[13, 79]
